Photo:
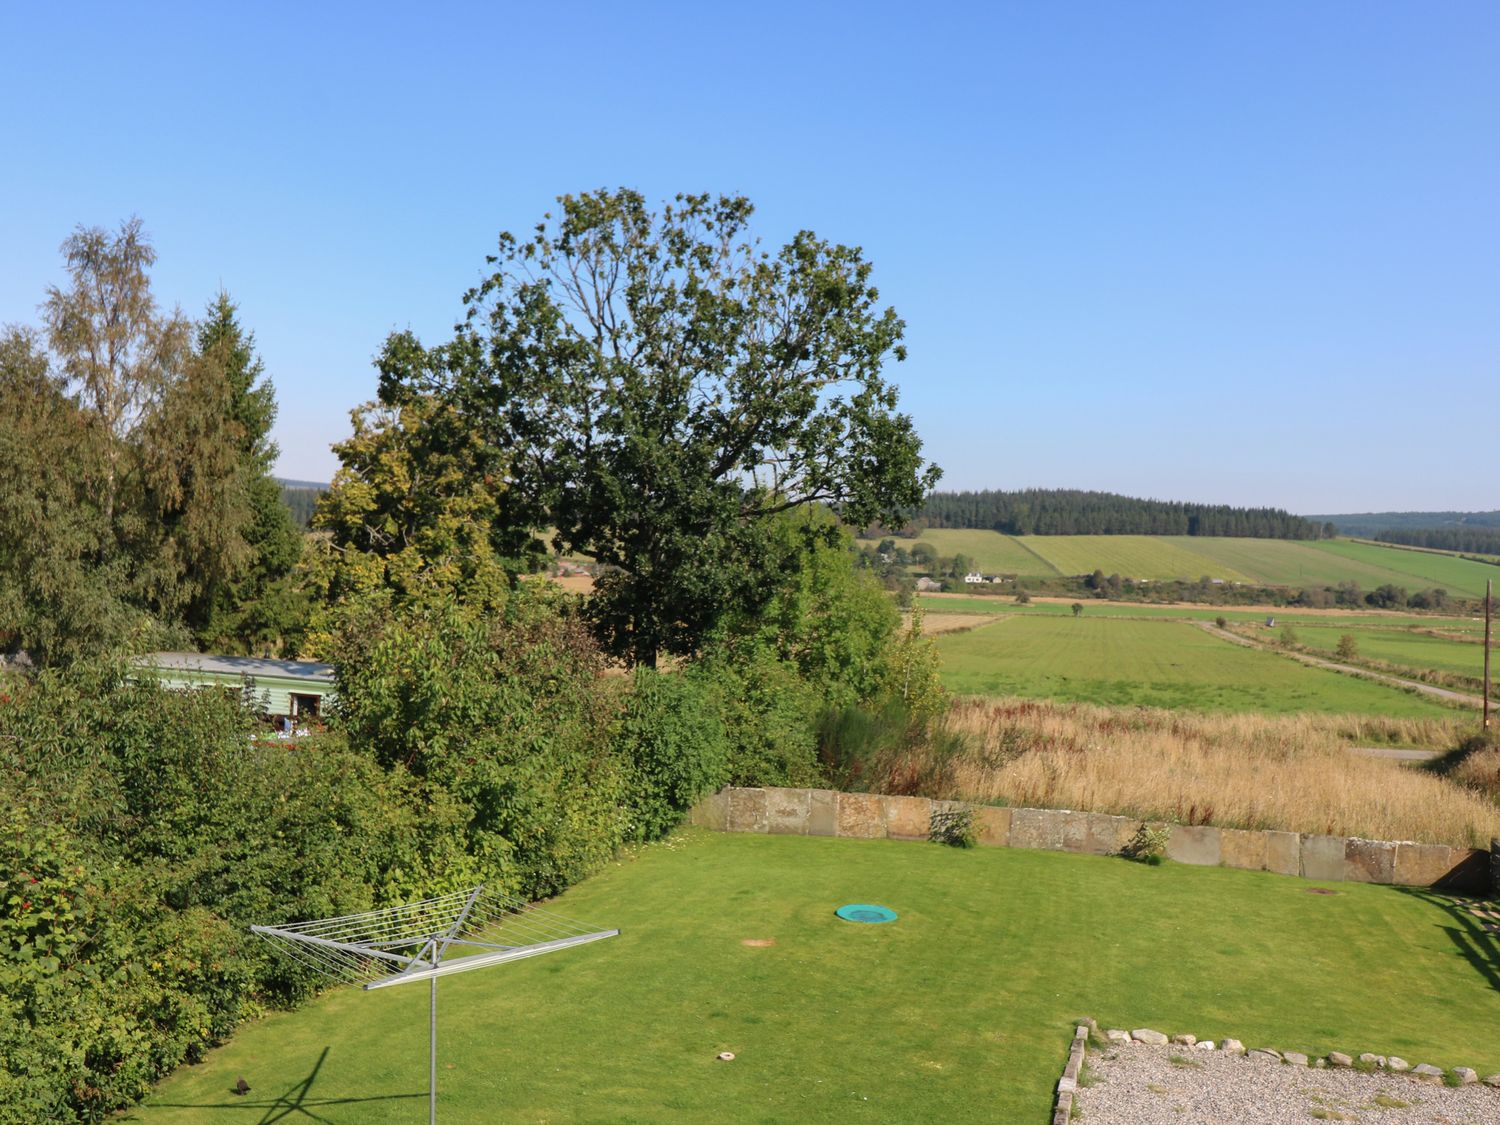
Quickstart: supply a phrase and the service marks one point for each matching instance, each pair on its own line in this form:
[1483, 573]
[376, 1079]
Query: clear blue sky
[1244, 253]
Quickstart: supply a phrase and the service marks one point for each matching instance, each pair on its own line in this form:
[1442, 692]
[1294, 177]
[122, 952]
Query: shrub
[1149, 844]
[1348, 647]
[954, 827]
[673, 741]
[1222, 622]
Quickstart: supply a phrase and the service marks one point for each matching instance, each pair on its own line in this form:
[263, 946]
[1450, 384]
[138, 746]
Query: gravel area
[1141, 1085]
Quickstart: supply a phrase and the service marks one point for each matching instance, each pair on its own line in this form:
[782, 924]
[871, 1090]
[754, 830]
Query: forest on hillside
[1372, 525]
[1040, 511]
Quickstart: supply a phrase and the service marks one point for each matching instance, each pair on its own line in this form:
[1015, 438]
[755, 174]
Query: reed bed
[1292, 773]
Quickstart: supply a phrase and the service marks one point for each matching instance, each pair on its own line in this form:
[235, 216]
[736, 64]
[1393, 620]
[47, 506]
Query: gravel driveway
[1141, 1085]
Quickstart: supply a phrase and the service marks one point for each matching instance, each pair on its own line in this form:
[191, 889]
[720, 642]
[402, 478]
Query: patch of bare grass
[1291, 773]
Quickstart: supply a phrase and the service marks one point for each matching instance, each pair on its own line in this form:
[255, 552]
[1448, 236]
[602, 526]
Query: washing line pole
[432, 1055]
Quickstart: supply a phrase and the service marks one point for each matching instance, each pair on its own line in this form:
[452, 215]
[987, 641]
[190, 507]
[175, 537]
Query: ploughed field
[960, 1011]
[1156, 663]
[1266, 562]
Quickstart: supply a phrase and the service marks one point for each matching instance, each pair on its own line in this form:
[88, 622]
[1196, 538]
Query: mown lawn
[960, 1011]
[1121, 662]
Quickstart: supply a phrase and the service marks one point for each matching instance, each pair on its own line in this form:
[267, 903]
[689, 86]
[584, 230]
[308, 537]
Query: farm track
[1347, 669]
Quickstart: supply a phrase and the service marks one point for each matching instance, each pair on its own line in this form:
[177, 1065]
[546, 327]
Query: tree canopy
[649, 387]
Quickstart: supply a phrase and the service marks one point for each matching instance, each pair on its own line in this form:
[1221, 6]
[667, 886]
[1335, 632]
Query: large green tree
[254, 607]
[654, 386]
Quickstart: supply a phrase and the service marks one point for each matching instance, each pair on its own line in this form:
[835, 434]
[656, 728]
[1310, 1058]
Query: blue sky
[1240, 253]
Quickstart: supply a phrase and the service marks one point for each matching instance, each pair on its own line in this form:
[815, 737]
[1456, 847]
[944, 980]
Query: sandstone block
[1146, 1035]
[747, 810]
[992, 826]
[907, 818]
[1073, 832]
[710, 812]
[1246, 850]
[1036, 828]
[1116, 1035]
[1108, 835]
[1284, 853]
[1184, 1040]
[1421, 865]
[786, 811]
[822, 813]
[861, 816]
[1197, 845]
[1369, 861]
[1323, 858]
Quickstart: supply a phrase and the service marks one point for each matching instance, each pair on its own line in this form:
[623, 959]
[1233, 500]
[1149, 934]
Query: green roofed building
[297, 688]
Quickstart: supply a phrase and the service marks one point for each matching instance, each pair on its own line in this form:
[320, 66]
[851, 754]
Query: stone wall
[866, 816]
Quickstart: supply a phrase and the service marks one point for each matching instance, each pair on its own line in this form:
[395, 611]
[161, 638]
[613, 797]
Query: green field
[1405, 647]
[992, 552]
[1268, 562]
[1006, 605]
[960, 1011]
[1123, 662]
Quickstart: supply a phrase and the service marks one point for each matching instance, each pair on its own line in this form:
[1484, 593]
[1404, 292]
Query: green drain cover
[864, 912]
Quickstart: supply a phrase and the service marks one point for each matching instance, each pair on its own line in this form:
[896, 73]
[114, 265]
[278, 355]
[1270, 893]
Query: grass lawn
[960, 1011]
[1121, 662]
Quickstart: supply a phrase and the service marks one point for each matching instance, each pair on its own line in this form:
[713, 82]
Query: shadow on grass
[294, 1102]
[1471, 934]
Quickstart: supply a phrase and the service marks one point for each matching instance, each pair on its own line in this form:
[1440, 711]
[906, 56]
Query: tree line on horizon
[1060, 511]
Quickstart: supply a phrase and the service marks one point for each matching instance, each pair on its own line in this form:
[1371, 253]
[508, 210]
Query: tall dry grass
[1237, 771]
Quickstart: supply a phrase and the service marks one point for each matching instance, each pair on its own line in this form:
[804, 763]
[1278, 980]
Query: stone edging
[826, 812]
[1389, 1064]
[1062, 1110]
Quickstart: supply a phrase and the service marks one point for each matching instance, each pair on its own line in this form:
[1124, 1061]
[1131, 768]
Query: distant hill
[301, 497]
[1367, 525]
[1060, 511]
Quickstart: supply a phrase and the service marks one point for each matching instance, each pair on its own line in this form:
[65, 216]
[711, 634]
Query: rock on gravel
[1143, 1086]
[1338, 1058]
[1234, 1047]
[1466, 1076]
[1397, 1064]
[1146, 1035]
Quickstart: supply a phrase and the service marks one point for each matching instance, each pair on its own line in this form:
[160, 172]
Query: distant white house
[297, 688]
[974, 578]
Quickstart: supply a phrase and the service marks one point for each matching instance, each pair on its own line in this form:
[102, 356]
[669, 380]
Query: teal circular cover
[864, 912]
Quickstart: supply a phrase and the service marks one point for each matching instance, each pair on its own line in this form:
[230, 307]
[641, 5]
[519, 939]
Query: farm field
[1406, 647]
[938, 604]
[960, 1011]
[1133, 556]
[1272, 562]
[1121, 662]
[992, 552]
